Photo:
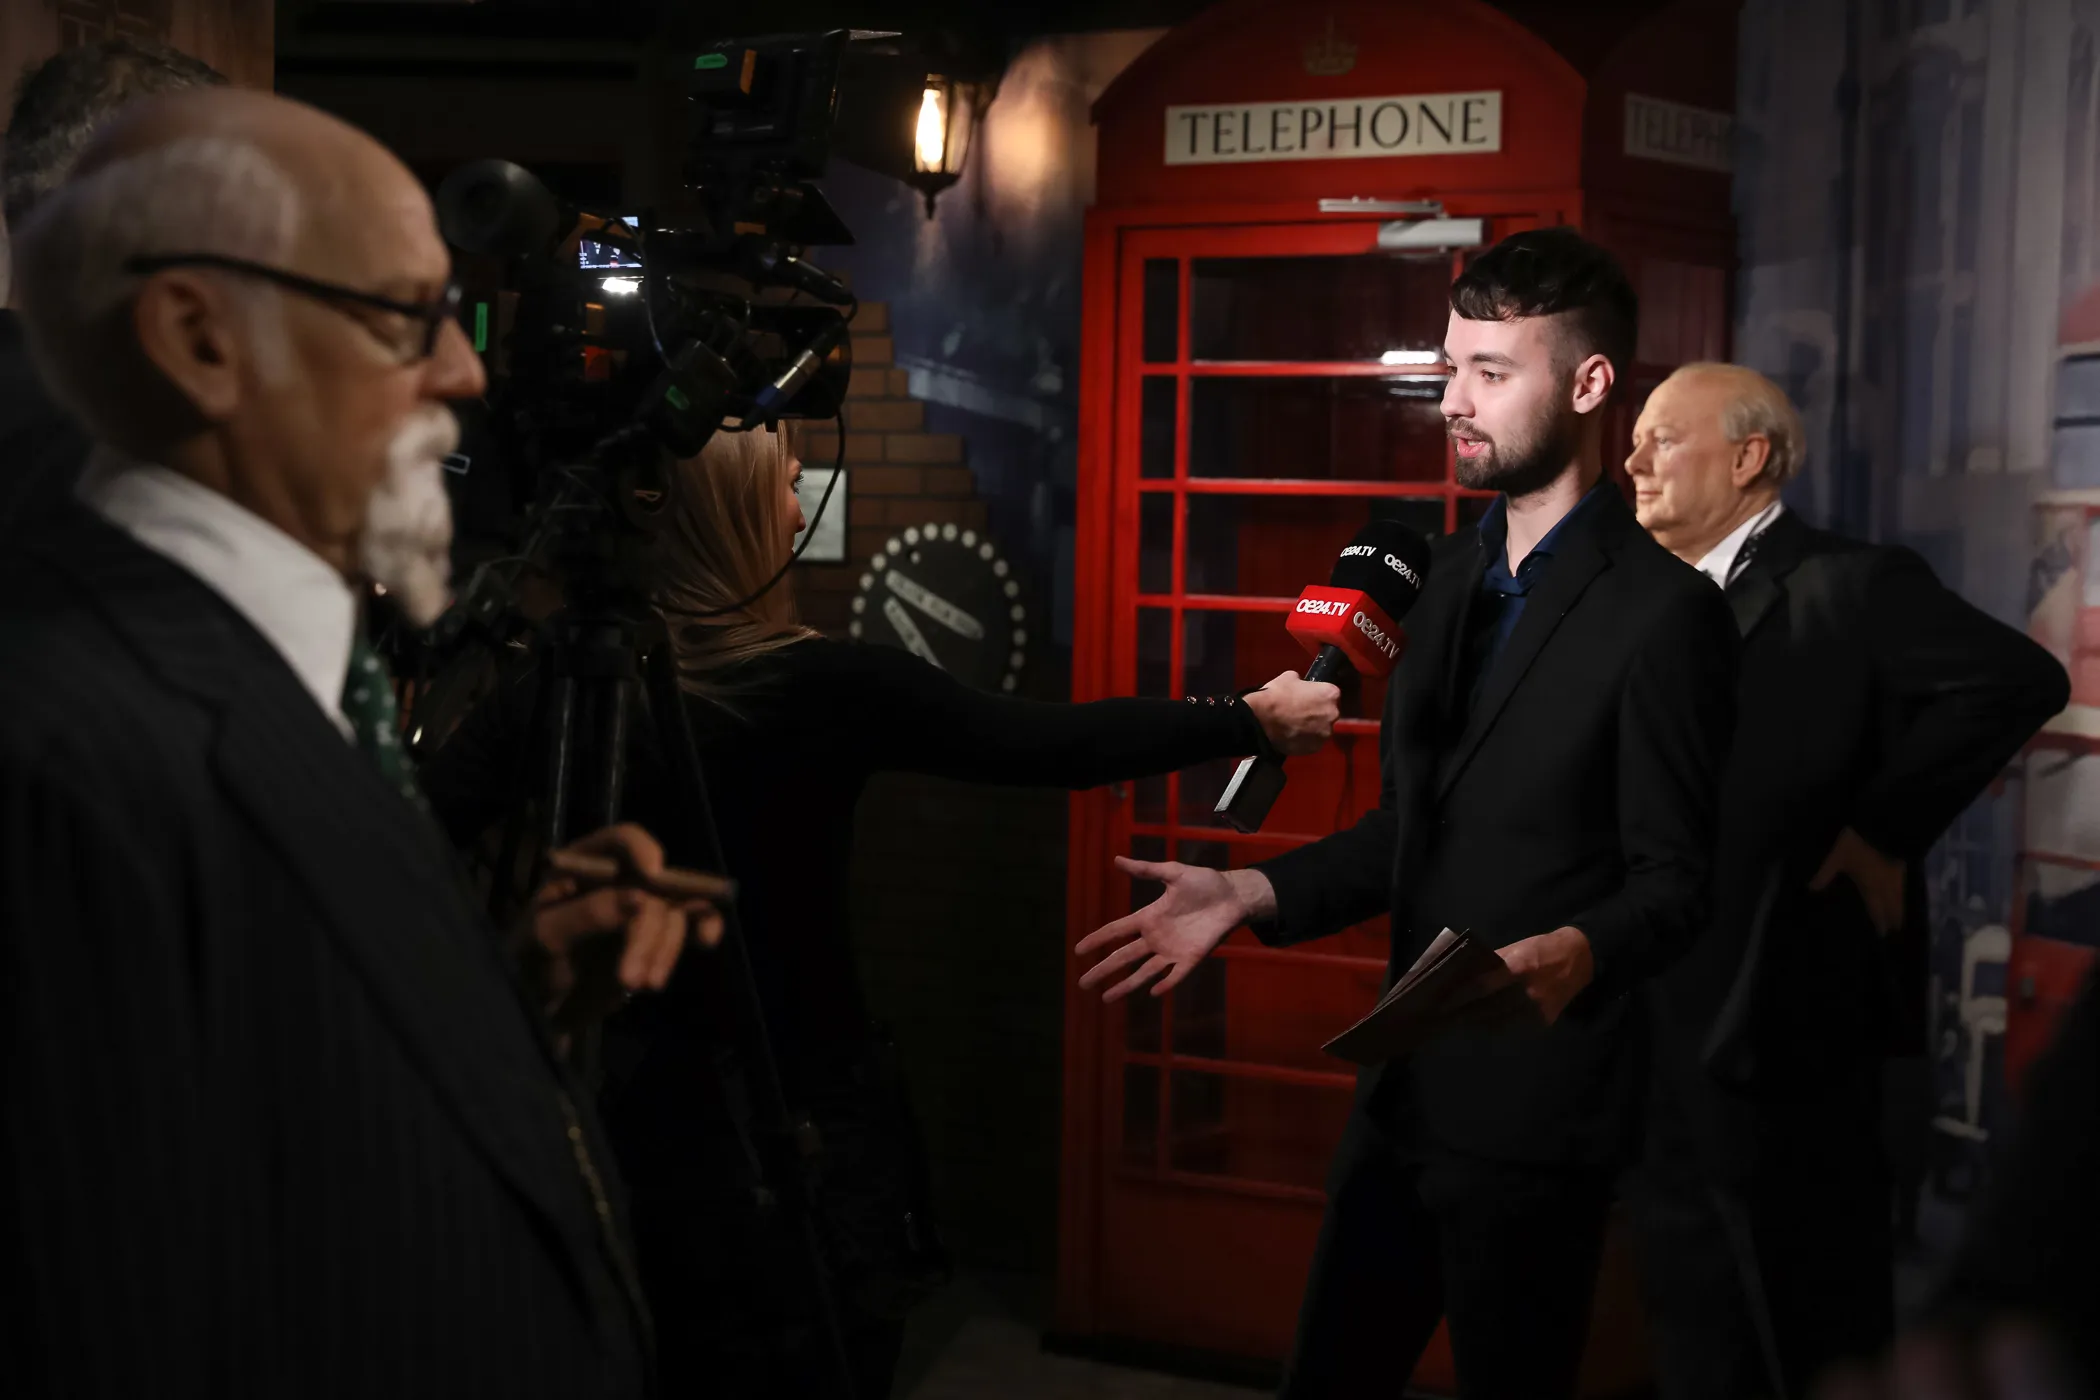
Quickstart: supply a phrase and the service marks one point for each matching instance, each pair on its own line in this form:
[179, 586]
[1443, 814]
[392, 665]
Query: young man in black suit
[279, 1118]
[1875, 705]
[1552, 741]
[58, 107]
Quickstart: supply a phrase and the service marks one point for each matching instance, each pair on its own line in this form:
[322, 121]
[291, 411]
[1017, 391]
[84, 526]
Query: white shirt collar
[291, 595]
[1720, 561]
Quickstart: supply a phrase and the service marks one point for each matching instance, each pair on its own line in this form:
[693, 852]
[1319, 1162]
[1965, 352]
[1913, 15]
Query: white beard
[406, 547]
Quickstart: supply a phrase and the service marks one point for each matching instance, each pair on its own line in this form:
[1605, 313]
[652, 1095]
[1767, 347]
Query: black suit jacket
[1872, 697]
[1579, 791]
[276, 1120]
[42, 450]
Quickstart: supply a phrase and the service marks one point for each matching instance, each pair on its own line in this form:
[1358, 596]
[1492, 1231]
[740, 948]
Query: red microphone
[1343, 627]
[1352, 623]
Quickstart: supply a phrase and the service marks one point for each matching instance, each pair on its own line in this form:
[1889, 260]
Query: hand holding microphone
[1352, 624]
[1297, 715]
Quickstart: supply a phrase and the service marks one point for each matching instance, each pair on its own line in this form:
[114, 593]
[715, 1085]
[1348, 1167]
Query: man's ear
[188, 329]
[1751, 454]
[1593, 380]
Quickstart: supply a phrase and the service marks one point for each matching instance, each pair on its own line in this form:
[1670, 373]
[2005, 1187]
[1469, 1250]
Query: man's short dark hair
[61, 102]
[1552, 272]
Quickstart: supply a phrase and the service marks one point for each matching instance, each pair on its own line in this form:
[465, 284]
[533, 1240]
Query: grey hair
[1758, 407]
[204, 194]
[62, 102]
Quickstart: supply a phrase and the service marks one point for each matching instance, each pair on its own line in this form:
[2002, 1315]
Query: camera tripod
[607, 683]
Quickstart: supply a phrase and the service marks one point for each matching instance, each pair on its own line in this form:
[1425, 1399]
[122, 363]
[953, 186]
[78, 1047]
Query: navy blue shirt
[1502, 593]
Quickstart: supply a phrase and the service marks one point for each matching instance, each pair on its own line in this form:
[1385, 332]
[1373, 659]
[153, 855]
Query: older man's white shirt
[1722, 561]
[295, 598]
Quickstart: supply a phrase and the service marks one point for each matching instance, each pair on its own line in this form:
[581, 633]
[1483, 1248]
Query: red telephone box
[1285, 193]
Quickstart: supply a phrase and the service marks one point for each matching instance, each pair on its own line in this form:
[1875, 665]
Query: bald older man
[1874, 706]
[278, 1119]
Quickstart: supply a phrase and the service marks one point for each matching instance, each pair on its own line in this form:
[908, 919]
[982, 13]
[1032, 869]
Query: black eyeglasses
[430, 315]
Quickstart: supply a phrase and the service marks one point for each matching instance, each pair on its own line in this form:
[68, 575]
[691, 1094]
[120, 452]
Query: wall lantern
[949, 112]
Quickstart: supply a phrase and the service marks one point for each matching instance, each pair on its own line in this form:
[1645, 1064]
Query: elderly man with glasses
[277, 1120]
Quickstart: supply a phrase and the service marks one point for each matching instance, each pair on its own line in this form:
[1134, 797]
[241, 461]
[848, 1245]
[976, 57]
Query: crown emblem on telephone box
[1330, 55]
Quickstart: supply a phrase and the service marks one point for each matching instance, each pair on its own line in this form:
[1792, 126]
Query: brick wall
[897, 473]
[958, 888]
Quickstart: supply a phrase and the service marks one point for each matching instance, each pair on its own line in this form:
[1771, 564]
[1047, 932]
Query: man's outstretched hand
[591, 948]
[1176, 931]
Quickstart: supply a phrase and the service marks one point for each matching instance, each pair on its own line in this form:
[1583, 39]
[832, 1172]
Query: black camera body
[618, 341]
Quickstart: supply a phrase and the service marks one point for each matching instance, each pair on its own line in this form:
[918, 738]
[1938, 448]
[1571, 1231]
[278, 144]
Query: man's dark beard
[1528, 464]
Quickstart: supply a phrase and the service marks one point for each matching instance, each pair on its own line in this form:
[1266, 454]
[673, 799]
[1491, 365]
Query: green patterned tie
[375, 721]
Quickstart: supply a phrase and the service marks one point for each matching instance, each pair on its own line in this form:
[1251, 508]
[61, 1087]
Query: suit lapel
[375, 868]
[1448, 631]
[1578, 559]
[1762, 582]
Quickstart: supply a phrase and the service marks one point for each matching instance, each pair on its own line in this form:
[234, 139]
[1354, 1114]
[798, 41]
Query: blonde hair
[1758, 406]
[720, 544]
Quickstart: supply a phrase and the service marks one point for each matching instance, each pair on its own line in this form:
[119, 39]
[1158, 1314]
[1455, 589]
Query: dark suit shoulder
[1647, 581]
[75, 694]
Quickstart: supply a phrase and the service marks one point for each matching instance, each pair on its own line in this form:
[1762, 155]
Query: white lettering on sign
[934, 605]
[1679, 135]
[1424, 124]
[1320, 608]
[1399, 566]
[1377, 635]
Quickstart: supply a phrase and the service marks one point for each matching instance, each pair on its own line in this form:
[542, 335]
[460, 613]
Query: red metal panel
[2042, 979]
[1256, 50]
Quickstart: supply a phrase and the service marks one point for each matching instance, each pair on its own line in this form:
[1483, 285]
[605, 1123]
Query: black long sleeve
[1342, 879]
[895, 712]
[1968, 691]
[1676, 715]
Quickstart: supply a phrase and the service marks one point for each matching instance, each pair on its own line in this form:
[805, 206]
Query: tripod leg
[561, 761]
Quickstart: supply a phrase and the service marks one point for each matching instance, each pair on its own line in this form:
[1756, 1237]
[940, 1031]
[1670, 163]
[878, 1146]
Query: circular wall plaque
[946, 595]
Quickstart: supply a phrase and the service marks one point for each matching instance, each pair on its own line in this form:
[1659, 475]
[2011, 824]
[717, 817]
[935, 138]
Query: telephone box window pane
[1155, 630]
[1162, 310]
[1273, 546]
[1156, 428]
[1314, 308]
[1254, 1130]
[1199, 1011]
[1266, 1013]
[1155, 542]
[1141, 1018]
[1209, 667]
[1140, 1115]
[1422, 514]
[1323, 429]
